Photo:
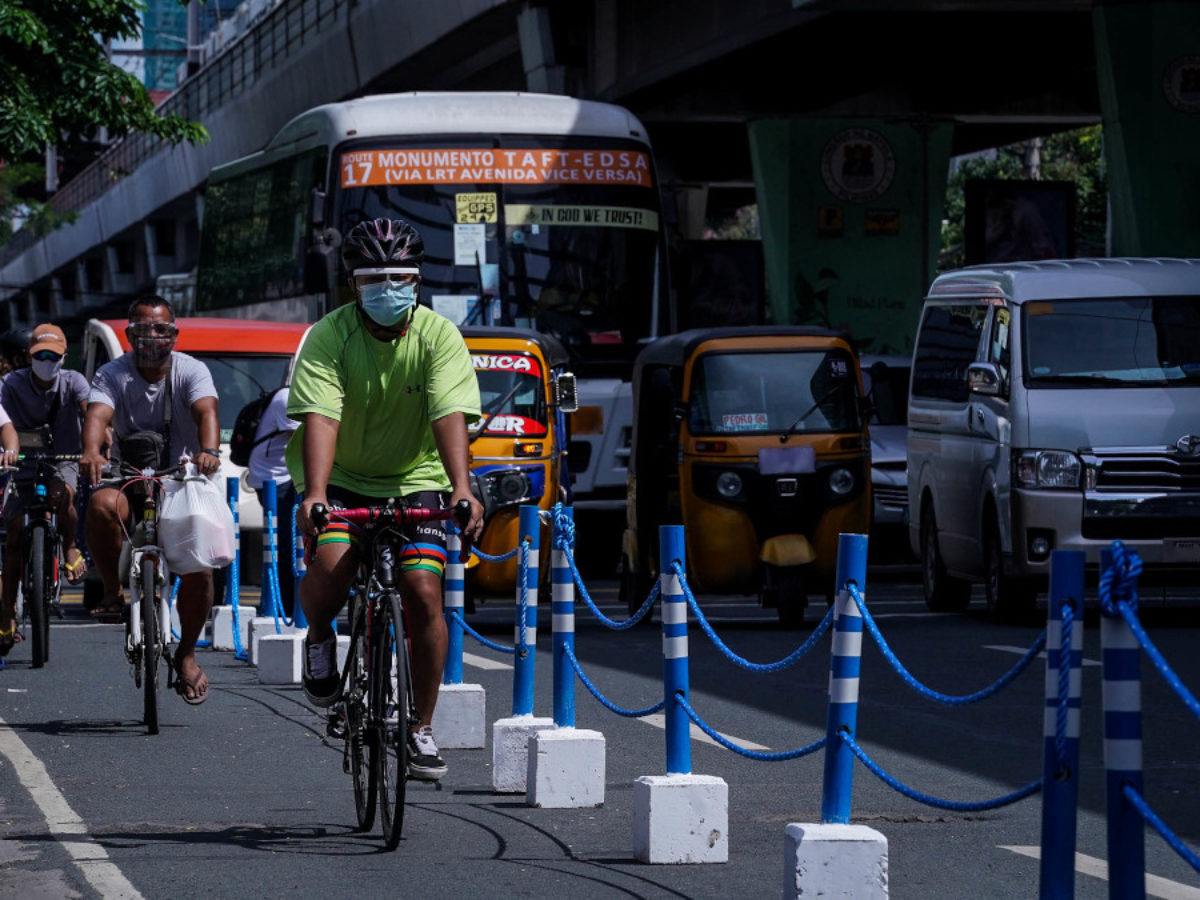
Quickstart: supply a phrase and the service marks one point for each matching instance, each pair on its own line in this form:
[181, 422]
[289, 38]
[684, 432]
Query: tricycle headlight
[841, 481]
[729, 485]
[512, 487]
[1047, 469]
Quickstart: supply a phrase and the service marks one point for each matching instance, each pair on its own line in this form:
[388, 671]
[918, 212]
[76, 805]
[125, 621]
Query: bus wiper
[808, 412]
[496, 407]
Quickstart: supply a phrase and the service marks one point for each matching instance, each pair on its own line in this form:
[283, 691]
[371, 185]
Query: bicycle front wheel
[361, 751]
[38, 602]
[390, 712]
[151, 644]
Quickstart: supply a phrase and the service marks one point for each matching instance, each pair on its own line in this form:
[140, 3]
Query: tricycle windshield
[803, 391]
[511, 388]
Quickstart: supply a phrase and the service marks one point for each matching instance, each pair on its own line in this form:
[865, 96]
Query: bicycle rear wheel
[361, 750]
[39, 617]
[390, 712]
[151, 644]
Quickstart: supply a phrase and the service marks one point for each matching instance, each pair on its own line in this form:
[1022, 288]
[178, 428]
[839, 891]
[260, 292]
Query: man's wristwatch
[211, 452]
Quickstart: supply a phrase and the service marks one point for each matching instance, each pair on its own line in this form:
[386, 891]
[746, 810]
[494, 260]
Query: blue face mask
[387, 302]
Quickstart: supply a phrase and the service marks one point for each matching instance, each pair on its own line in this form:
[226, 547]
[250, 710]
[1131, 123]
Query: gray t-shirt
[29, 406]
[139, 406]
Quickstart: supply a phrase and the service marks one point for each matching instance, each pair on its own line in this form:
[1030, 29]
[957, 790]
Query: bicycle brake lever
[319, 515]
[462, 513]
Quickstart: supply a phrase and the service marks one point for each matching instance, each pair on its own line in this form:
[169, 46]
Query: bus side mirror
[566, 392]
[320, 262]
[316, 213]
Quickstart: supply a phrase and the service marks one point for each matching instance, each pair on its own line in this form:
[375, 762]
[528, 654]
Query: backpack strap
[168, 415]
[53, 414]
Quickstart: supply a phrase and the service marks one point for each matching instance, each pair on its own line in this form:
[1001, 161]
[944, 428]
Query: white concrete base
[260, 627]
[280, 658]
[221, 621]
[566, 769]
[510, 751]
[681, 819]
[834, 861]
[460, 717]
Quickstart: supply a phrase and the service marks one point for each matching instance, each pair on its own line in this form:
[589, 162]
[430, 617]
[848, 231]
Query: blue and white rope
[569, 653]
[742, 751]
[1031, 654]
[791, 659]
[1158, 825]
[457, 614]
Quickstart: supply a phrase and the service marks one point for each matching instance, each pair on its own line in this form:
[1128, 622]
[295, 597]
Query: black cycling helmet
[382, 242]
[16, 342]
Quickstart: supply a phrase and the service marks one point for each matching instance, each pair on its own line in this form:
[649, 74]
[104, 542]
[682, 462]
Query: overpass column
[850, 211]
[1148, 65]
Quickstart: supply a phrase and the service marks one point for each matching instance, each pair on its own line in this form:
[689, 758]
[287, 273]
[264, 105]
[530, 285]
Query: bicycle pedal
[335, 726]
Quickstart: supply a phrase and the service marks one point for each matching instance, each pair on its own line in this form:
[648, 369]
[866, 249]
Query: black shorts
[424, 542]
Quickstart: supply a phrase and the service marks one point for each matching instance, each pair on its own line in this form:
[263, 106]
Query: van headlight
[841, 482]
[729, 485]
[1047, 469]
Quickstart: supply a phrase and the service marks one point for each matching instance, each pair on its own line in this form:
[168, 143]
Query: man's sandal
[183, 685]
[76, 571]
[110, 611]
[8, 637]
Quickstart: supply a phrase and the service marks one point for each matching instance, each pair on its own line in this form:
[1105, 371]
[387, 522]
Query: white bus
[537, 210]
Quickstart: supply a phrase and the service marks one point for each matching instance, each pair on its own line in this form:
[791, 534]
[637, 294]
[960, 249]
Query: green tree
[60, 89]
[1076, 156]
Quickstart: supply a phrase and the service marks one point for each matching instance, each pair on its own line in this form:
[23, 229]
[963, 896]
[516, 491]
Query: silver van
[1053, 405]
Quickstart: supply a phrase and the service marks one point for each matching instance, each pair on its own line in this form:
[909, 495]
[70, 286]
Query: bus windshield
[552, 233]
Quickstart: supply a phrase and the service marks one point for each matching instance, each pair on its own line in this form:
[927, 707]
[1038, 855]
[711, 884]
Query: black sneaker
[322, 681]
[424, 762]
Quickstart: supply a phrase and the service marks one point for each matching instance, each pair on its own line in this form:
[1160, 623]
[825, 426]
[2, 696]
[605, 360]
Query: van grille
[1144, 471]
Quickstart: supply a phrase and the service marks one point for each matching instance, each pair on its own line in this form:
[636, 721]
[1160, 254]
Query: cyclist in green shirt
[400, 377]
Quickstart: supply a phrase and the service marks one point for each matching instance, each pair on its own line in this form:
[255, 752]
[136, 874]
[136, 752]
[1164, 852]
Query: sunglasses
[47, 356]
[153, 330]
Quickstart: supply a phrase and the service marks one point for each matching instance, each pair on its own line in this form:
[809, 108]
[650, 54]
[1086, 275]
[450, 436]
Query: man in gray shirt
[46, 403]
[130, 394]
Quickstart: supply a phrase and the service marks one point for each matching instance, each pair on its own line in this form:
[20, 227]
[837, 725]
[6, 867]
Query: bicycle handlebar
[321, 515]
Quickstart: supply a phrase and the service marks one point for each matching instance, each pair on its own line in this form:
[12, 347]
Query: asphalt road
[244, 796]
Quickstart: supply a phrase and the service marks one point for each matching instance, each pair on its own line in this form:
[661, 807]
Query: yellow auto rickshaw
[518, 446]
[755, 440]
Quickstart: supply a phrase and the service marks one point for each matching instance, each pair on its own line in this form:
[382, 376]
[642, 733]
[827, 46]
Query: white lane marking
[658, 720]
[1021, 651]
[91, 858]
[1156, 885]
[482, 662]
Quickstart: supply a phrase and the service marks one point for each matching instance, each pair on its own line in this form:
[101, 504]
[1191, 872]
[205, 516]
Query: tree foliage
[60, 89]
[1076, 156]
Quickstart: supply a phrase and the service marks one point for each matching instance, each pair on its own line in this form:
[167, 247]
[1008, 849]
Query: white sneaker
[424, 761]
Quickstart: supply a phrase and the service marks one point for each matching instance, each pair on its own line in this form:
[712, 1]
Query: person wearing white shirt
[266, 462]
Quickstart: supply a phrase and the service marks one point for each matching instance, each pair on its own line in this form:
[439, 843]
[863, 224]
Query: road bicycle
[377, 710]
[144, 570]
[42, 557]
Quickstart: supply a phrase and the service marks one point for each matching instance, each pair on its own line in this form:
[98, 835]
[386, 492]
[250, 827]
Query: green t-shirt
[385, 395]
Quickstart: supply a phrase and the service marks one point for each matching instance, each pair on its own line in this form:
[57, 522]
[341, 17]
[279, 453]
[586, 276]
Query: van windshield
[240, 378]
[1134, 341]
[797, 391]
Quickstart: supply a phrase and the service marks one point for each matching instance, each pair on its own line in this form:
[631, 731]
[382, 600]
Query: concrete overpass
[734, 94]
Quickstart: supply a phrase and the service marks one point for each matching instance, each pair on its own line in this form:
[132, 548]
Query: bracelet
[210, 452]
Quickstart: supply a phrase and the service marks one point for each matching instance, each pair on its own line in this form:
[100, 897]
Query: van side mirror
[566, 392]
[984, 379]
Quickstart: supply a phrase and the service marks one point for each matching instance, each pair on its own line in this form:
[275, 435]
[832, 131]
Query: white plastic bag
[195, 525]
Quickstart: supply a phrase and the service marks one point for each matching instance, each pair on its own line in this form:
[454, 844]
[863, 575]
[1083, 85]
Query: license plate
[1181, 550]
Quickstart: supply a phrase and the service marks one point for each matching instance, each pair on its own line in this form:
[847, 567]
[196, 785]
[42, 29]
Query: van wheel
[943, 593]
[1007, 598]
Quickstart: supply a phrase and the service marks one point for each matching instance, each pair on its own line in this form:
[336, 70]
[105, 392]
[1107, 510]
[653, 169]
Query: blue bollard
[674, 611]
[270, 603]
[1122, 694]
[562, 608]
[299, 620]
[844, 666]
[233, 571]
[454, 602]
[528, 529]
[1060, 767]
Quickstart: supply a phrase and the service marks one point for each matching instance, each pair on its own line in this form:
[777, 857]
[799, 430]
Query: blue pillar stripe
[849, 623]
[1122, 665]
[845, 666]
[1123, 725]
[562, 607]
[561, 576]
[679, 630]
